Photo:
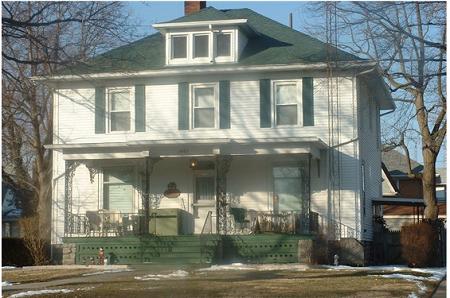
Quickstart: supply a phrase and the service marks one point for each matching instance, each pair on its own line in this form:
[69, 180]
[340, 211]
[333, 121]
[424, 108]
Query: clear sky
[151, 12]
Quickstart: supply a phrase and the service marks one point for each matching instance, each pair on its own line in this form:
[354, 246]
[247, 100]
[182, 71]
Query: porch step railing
[208, 224]
[103, 224]
[332, 229]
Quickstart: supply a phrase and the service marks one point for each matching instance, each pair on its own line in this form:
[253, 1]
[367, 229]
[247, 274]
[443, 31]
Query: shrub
[33, 241]
[419, 244]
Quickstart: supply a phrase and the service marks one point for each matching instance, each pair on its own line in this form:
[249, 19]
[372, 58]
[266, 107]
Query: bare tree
[41, 39]
[407, 39]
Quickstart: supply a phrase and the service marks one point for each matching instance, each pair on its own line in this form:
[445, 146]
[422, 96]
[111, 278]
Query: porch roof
[193, 147]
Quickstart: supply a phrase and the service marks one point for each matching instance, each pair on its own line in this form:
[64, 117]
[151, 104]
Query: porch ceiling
[189, 148]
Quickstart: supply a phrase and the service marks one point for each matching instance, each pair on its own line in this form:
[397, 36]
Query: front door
[204, 202]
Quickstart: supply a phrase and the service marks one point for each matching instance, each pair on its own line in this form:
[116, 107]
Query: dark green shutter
[224, 95]
[264, 103]
[100, 110]
[183, 106]
[308, 101]
[139, 108]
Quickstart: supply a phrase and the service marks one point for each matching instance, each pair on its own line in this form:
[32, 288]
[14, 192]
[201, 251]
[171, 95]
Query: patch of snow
[8, 267]
[6, 283]
[175, 274]
[259, 267]
[40, 292]
[108, 271]
[407, 277]
[412, 295]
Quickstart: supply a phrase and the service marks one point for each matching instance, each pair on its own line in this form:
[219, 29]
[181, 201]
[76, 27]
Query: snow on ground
[108, 271]
[40, 292]
[262, 267]
[175, 274]
[436, 274]
[6, 283]
[8, 267]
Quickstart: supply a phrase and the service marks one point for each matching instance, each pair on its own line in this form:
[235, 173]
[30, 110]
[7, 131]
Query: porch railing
[332, 229]
[103, 224]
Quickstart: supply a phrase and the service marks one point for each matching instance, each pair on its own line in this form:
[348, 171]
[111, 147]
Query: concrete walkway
[441, 290]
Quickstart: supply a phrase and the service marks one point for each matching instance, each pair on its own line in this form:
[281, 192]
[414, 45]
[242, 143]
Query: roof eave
[209, 69]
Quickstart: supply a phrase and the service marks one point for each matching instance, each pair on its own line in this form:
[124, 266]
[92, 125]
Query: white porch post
[70, 167]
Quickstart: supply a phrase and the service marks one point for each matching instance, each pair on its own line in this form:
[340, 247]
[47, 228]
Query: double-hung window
[287, 102]
[204, 106]
[119, 110]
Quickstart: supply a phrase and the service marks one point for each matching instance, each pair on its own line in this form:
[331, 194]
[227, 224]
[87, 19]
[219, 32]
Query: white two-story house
[226, 122]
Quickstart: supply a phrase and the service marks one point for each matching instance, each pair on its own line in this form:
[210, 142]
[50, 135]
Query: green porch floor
[189, 249]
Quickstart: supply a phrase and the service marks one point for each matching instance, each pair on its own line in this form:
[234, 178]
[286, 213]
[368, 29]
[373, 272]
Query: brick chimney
[193, 6]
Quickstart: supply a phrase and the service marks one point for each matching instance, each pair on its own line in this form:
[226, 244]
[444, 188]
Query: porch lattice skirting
[189, 249]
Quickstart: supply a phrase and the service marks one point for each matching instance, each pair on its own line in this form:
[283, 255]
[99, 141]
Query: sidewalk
[441, 290]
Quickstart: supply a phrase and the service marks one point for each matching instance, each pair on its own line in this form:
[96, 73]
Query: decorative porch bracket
[222, 166]
[70, 167]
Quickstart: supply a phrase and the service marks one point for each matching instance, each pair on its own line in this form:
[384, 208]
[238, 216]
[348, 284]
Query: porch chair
[94, 222]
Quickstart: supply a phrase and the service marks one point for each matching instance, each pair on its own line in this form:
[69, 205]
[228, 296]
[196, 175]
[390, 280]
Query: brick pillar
[193, 6]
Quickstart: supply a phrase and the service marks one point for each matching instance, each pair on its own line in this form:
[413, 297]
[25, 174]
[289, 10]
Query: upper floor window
[119, 110]
[179, 47]
[287, 102]
[204, 105]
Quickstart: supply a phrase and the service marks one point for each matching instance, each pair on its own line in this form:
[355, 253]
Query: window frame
[109, 110]
[298, 84]
[192, 108]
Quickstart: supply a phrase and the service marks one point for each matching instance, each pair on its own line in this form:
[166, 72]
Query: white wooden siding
[369, 132]
[249, 179]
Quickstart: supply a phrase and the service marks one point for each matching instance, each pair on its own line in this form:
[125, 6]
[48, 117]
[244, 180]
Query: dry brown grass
[40, 275]
[250, 283]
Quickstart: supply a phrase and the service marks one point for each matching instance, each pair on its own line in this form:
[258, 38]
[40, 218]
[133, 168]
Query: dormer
[206, 42]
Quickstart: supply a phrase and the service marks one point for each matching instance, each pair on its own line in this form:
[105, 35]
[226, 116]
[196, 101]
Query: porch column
[222, 166]
[70, 167]
[149, 164]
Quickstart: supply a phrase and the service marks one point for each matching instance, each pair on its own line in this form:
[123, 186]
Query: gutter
[199, 70]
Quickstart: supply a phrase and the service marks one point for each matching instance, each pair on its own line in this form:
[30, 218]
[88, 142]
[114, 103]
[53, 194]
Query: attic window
[223, 44]
[201, 46]
[179, 47]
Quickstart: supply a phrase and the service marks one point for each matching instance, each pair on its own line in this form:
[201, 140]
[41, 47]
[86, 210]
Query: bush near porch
[420, 244]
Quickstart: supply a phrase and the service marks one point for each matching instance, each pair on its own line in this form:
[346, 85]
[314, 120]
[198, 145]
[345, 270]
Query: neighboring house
[402, 200]
[223, 122]
[11, 208]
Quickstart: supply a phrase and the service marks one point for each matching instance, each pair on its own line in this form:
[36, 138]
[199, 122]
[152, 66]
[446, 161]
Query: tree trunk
[429, 183]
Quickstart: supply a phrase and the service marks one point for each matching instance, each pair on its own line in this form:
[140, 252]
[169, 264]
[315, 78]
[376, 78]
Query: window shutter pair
[265, 104]
[100, 109]
[184, 107]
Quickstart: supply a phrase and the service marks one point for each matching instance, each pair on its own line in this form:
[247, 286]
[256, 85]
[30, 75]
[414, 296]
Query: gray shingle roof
[396, 163]
[275, 43]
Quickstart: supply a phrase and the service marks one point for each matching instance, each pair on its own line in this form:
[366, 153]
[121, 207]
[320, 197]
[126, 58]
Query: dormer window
[201, 46]
[179, 47]
[223, 44]
[205, 42]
